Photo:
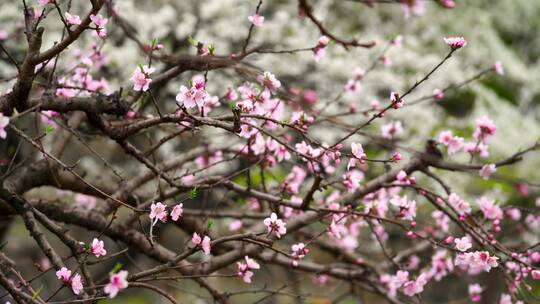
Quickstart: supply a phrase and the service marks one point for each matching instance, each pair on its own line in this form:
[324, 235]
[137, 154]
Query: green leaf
[117, 267]
[211, 49]
[154, 43]
[210, 223]
[15, 112]
[361, 207]
[38, 291]
[49, 129]
[193, 193]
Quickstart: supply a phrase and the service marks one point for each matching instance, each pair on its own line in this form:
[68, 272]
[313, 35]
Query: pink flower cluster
[489, 209]
[411, 287]
[270, 82]
[486, 170]
[416, 286]
[460, 206]
[294, 180]
[100, 23]
[407, 208]
[299, 251]
[475, 292]
[81, 83]
[359, 155]
[158, 212]
[141, 78]
[454, 143]
[396, 100]
[72, 19]
[202, 241]
[244, 269]
[476, 261]
[194, 96]
[485, 128]
[320, 49]
[354, 86]
[392, 129]
[352, 179]
[74, 282]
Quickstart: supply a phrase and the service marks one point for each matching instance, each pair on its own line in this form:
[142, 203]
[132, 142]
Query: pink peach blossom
[475, 291]
[498, 68]
[392, 129]
[72, 19]
[177, 211]
[117, 282]
[235, 225]
[275, 225]
[98, 248]
[63, 274]
[487, 170]
[202, 241]
[141, 78]
[76, 284]
[158, 211]
[269, 81]
[463, 244]
[438, 94]
[196, 95]
[485, 128]
[245, 267]
[455, 42]
[98, 20]
[256, 20]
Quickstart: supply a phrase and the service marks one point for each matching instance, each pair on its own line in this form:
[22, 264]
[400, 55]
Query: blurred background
[496, 30]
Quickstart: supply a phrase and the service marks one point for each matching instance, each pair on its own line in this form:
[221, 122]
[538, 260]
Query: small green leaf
[38, 291]
[117, 267]
[49, 129]
[360, 207]
[154, 43]
[15, 112]
[210, 223]
[211, 49]
[193, 193]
